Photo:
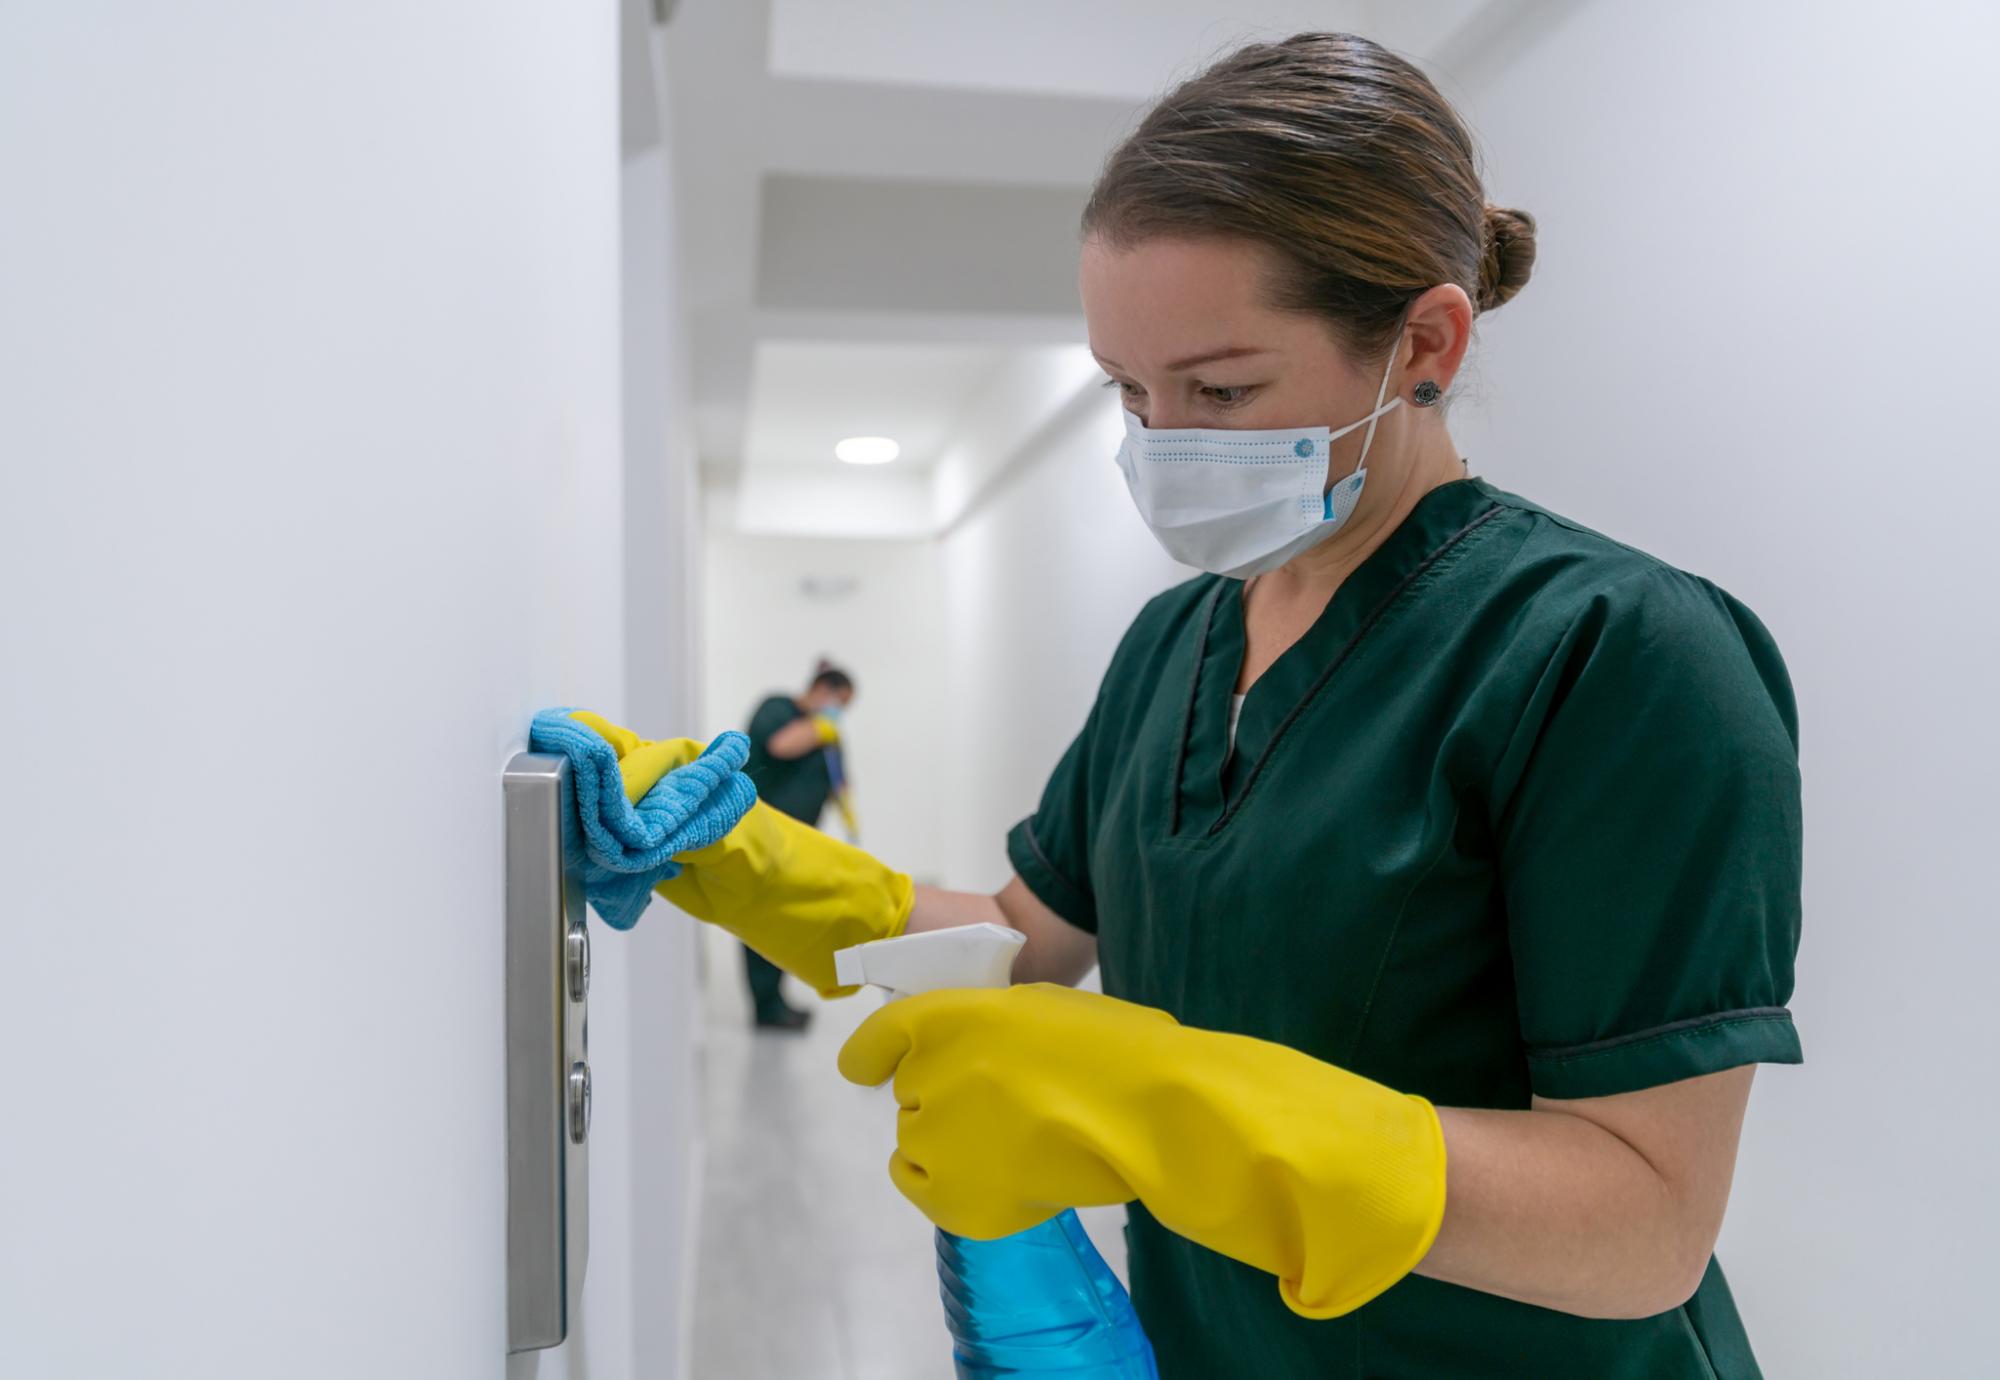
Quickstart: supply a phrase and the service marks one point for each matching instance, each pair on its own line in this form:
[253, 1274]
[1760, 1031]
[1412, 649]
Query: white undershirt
[1235, 713]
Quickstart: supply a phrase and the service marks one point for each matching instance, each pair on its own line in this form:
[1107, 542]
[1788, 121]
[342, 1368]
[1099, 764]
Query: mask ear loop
[1368, 439]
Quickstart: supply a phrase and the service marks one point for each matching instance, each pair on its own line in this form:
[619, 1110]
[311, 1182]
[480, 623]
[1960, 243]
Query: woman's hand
[793, 894]
[984, 1078]
[1016, 1104]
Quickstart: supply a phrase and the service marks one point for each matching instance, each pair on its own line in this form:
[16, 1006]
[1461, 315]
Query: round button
[579, 1101]
[576, 962]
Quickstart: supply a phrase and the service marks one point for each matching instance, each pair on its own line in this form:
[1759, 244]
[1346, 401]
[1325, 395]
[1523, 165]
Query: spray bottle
[1040, 1302]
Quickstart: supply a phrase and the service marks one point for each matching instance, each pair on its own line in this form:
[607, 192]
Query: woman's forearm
[1056, 951]
[1607, 1213]
[1603, 1208]
[795, 739]
[938, 909]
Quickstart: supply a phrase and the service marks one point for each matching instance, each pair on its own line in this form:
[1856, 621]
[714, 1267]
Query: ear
[1436, 334]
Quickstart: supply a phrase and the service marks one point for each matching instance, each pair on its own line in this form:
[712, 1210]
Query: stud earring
[1426, 393]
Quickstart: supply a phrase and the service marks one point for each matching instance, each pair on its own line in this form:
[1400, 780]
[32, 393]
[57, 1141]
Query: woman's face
[1186, 331]
[826, 697]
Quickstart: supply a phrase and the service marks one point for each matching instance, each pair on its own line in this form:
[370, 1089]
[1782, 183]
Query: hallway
[380, 383]
[798, 1220]
[811, 1265]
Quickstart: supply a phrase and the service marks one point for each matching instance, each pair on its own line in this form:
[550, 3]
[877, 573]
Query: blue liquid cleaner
[1040, 1302]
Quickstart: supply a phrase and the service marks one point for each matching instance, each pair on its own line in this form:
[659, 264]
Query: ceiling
[805, 396]
[1120, 49]
[878, 199]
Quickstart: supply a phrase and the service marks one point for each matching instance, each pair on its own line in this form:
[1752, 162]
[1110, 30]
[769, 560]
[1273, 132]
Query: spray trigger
[963, 956]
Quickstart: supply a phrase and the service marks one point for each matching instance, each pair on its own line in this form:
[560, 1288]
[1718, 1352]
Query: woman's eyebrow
[1206, 357]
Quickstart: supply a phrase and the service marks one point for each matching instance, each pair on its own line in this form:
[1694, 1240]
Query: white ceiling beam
[919, 328]
[849, 129]
[1490, 39]
[917, 246]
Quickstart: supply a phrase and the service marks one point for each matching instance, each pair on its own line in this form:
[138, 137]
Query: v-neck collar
[1211, 780]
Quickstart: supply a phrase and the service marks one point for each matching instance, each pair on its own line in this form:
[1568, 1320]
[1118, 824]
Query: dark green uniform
[800, 786]
[1518, 815]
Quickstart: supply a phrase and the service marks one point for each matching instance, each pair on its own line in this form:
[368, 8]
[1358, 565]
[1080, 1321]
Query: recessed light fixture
[868, 450]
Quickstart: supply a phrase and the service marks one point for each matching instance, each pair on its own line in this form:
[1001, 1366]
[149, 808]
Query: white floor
[811, 1265]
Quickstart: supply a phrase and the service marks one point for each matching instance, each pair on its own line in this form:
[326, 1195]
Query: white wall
[829, 501]
[662, 529]
[311, 433]
[1755, 343]
[762, 634]
[1041, 578]
[977, 654]
[1029, 399]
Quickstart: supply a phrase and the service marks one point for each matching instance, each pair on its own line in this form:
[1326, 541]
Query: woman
[795, 759]
[1441, 857]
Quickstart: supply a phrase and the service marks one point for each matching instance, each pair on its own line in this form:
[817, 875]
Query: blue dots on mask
[1303, 449]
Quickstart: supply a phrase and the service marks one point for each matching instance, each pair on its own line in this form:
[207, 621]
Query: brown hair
[825, 673]
[1338, 155]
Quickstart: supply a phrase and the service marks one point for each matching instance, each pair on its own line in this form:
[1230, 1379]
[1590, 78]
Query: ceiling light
[868, 450]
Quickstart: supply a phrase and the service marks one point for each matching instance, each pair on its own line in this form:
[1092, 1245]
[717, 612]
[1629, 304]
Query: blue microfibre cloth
[621, 850]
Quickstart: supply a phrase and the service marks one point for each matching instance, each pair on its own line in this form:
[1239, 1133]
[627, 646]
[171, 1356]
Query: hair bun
[1509, 256]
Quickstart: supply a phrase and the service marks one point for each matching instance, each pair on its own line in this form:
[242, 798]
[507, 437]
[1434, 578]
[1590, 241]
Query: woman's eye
[1130, 390]
[1225, 397]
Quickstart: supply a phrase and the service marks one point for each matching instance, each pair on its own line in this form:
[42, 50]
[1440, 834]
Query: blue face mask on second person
[1241, 503]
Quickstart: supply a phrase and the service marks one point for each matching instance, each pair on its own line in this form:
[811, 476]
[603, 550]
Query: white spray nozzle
[963, 956]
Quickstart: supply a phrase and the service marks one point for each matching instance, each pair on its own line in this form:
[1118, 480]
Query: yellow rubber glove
[793, 894]
[1021, 1102]
[827, 729]
[640, 762]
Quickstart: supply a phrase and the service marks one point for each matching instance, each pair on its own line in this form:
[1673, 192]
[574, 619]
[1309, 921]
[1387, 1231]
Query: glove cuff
[1333, 1182]
[1403, 1194]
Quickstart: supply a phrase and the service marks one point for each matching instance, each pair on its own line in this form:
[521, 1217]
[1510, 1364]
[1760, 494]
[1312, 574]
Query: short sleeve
[1050, 850]
[1650, 849]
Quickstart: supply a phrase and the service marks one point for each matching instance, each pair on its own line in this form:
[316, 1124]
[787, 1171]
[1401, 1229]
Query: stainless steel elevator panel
[548, 1064]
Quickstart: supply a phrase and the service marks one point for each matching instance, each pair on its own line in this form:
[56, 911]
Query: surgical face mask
[1241, 503]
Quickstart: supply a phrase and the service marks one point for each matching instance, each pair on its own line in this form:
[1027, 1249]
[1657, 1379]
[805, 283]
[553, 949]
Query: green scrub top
[799, 786]
[1518, 815]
